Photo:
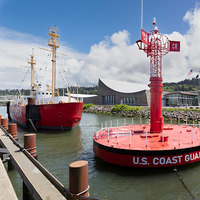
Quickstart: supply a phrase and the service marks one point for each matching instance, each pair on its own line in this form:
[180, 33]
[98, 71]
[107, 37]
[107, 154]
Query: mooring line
[179, 177]
[32, 125]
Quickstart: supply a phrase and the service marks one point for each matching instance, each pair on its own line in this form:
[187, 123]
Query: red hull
[135, 146]
[143, 160]
[18, 114]
[61, 116]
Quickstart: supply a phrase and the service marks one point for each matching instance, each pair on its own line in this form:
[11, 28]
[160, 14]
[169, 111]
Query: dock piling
[4, 123]
[12, 130]
[78, 178]
[30, 144]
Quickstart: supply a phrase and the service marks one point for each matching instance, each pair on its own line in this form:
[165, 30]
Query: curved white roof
[124, 87]
[83, 95]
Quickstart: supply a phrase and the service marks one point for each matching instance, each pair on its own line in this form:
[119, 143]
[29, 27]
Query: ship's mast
[54, 43]
[32, 62]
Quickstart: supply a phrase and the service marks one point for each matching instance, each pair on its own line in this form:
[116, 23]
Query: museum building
[111, 92]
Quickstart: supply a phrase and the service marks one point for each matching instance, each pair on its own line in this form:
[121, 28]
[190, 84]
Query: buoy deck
[134, 145]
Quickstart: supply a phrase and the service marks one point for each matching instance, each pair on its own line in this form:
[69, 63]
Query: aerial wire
[44, 70]
[22, 81]
[141, 13]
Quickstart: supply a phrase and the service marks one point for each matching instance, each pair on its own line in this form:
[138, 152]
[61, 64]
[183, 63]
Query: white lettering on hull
[166, 160]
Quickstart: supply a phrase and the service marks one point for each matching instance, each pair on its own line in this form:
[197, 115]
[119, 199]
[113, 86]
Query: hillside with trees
[81, 90]
[186, 85]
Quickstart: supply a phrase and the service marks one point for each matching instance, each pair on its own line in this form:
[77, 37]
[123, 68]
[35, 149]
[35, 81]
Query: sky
[99, 38]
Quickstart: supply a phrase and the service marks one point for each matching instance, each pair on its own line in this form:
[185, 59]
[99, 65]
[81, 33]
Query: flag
[197, 76]
[190, 72]
[174, 46]
[144, 37]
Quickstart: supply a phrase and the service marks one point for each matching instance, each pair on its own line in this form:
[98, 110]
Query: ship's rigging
[40, 76]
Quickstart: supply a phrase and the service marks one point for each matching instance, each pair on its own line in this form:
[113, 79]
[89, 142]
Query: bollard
[30, 144]
[78, 178]
[4, 123]
[12, 130]
[0, 119]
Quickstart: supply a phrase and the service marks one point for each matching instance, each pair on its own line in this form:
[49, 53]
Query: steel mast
[156, 46]
[32, 62]
[54, 43]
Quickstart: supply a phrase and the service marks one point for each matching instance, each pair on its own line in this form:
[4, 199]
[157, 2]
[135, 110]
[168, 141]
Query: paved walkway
[6, 188]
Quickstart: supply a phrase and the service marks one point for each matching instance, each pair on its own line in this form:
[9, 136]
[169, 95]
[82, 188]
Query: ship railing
[128, 130]
[110, 132]
[191, 125]
[114, 131]
[119, 130]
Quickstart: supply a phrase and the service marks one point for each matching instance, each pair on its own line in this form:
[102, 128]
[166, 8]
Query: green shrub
[118, 108]
[87, 106]
[170, 109]
[134, 108]
[124, 107]
[180, 109]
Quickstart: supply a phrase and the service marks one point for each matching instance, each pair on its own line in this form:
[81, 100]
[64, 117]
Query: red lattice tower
[156, 46]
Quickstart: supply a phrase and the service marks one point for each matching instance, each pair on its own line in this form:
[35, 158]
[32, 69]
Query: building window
[128, 101]
[109, 100]
[180, 100]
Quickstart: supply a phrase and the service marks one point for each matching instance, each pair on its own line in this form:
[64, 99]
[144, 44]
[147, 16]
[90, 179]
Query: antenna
[141, 13]
[154, 21]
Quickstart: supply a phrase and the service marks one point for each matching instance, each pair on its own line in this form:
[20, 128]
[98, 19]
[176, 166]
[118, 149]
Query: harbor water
[56, 150]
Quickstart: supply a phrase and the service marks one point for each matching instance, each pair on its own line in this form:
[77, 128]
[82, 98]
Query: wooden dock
[37, 183]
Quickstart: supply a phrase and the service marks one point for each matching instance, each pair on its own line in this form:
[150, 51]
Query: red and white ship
[42, 109]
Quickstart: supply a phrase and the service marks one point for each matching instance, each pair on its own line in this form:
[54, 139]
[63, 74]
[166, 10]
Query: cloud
[116, 58]
[121, 38]
[192, 37]
[14, 51]
[175, 64]
[113, 58]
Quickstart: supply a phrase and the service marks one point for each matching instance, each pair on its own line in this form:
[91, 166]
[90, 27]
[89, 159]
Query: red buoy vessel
[155, 144]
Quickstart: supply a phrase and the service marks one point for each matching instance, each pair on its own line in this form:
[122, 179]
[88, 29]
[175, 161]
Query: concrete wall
[93, 100]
